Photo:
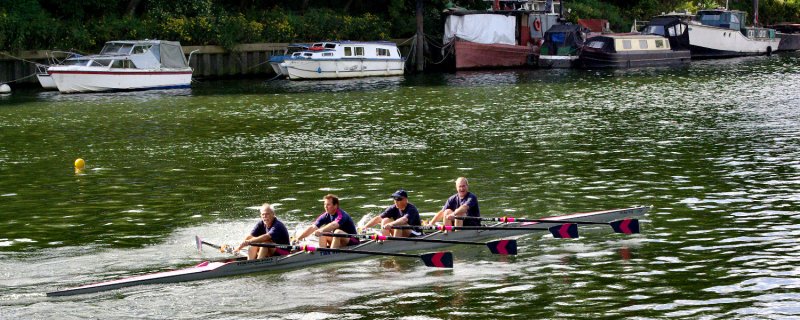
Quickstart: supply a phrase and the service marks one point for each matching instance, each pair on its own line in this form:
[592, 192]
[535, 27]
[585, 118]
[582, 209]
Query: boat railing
[189, 61]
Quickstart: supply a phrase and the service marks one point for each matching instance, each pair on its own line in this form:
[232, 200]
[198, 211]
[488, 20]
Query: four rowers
[336, 220]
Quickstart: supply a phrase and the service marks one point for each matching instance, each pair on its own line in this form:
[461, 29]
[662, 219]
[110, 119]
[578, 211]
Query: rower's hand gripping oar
[626, 226]
[222, 248]
[442, 259]
[562, 231]
[505, 247]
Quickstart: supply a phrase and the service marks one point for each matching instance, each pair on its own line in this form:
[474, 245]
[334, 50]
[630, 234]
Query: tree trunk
[132, 5]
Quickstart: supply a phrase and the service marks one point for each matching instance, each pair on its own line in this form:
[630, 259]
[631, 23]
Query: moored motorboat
[125, 65]
[345, 59]
[275, 61]
[721, 33]
[561, 46]
[236, 266]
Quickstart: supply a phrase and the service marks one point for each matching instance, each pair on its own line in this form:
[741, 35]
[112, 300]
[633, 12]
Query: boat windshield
[116, 48]
[651, 29]
[76, 62]
[558, 37]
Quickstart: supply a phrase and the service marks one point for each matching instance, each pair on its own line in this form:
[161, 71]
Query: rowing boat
[235, 266]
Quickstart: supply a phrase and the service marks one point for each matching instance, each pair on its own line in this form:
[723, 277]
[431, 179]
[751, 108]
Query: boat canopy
[148, 54]
[563, 39]
[728, 19]
[481, 28]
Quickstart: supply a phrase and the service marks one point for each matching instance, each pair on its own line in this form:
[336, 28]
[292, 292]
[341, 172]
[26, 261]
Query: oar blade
[564, 231]
[626, 226]
[199, 243]
[504, 247]
[442, 259]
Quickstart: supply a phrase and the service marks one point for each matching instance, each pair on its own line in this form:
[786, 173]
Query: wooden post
[420, 39]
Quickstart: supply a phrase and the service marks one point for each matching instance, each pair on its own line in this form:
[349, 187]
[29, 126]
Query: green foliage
[87, 24]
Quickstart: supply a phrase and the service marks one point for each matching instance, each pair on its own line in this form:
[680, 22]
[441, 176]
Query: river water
[713, 146]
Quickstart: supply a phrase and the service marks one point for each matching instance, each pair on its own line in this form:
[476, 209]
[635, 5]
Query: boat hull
[470, 55]
[552, 61]
[91, 79]
[46, 81]
[299, 69]
[592, 59]
[789, 41]
[230, 267]
[715, 42]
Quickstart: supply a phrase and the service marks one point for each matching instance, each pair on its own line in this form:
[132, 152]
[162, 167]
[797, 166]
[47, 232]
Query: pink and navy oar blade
[626, 226]
[504, 247]
[443, 259]
[565, 231]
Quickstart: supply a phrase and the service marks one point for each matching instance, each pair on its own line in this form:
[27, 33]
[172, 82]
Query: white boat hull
[297, 69]
[709, 41]
[276, 66]
[97, 79]
[239, 266]
[46, 81]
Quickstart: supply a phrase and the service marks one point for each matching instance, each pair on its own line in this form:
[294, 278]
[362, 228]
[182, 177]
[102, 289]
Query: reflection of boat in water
[275, 61]
[561, 46]
[125, 65]
[345, 59]
[720, 33]
[664, 41]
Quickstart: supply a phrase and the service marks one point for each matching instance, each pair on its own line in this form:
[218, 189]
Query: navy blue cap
[400, 193]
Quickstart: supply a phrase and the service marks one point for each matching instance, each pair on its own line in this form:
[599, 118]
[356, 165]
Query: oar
[223, 248]
[504, 247]
[626, 226]
[565, 231]
[442, 259]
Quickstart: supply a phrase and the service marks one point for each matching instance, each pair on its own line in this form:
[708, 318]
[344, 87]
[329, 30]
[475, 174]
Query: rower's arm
[462, 210]
[372, 222]
[329, 227]
[307, 232]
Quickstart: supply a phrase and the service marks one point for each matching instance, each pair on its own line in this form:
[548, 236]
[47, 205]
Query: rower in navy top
[334, 220]
[463, 203]
[401, 213]
[268, 230]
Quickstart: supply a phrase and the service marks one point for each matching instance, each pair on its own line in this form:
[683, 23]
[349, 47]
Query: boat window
[81, 62]
[643, 44]
[317, 44]
[382, 52]
[100, 63]
[330, 46]
[110, 48]
[626, 44]
[327, 54]
[359, 51]
[140, 49]
[659, 43]
[126, 64]
[308, 54]
[595, 44]
[558, 37]
[348, 51]
[659, 30]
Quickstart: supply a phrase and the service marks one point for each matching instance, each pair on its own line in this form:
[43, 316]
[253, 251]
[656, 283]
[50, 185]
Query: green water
[713, 146]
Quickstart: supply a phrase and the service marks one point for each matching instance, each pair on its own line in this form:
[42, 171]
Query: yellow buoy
[79, 164]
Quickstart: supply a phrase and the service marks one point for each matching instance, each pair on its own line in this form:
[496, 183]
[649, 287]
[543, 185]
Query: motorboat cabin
[345, 59]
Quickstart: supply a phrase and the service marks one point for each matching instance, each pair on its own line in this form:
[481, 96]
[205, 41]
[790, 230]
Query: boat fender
[4, 88]
[537, 24]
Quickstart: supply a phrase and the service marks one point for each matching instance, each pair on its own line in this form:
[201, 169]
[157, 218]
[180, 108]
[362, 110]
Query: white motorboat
[720, 33]
[345, 59]
[125, 65]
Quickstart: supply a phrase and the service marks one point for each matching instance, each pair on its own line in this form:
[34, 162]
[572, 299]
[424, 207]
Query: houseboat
[663, 42]
[562, 45]
[506, 36]
[125, 65]
[345, 59]
[721, 33]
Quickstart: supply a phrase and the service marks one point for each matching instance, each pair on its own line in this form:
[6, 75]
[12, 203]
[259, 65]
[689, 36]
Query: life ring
[537, 25]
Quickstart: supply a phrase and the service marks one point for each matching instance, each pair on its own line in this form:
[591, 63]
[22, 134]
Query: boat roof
[631, 36]
[564, 28]
[145, 41]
